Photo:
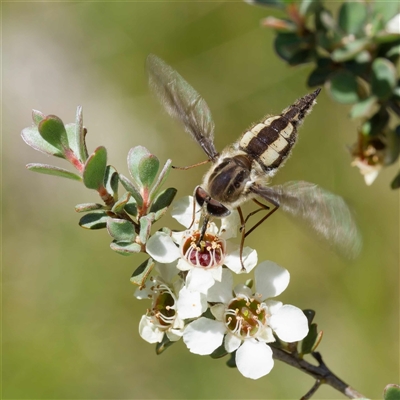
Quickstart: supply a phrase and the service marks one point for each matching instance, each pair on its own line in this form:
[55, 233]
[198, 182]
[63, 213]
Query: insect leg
[243, 231]
[191, 166]
[276, 206]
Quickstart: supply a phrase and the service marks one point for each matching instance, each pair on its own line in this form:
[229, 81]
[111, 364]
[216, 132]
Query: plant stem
[321, 373]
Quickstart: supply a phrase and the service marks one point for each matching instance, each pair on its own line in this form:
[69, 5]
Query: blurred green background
[69, 316]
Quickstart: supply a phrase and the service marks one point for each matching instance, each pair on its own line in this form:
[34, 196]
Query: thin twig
[321, 373]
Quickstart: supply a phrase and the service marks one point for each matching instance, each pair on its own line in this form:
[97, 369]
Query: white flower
[246, 322]
[369, 172]
[172, 303]
[203, 260]
[393, 26]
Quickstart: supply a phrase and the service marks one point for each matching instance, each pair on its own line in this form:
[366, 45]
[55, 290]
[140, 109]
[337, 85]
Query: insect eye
[216, 209]
[200, 195]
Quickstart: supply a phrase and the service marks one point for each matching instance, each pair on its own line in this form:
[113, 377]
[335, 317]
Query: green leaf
[125, 248]
[111, 180]
[231, 363]
[293, 48]
[391, 392]
[386, 37]
[308, 7]
[148, 168]
[142, 272]
[162, 177]
[80, 136]
[349, 50]
[352, 16]
[377, 123]
[164, 199]
[145, 228]
[95, 169]
[386, 9]
[52, 170]
[85, 207]
[121, 230]
[310, 314]
[131, 188]
[396, 182]
[392, 146]
[131, 206]
[32, 138]
[363, 108]
[393, 51]
[307, 344]
[319, 76]
[219, 352]
[53, 131]
[383, 79]
[343, 87]
[94, 220]
[37, 116]
[164, 344]
[135, 156]
[121, 203]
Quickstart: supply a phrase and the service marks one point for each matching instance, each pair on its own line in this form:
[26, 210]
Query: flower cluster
[193, 276]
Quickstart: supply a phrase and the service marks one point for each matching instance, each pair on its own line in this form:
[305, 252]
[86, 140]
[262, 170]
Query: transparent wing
[181, 101]
[324, 212]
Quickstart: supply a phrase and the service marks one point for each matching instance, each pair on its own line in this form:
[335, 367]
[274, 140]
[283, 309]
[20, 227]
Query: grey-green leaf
[37, 116]
[32, 137]
[94, 220]
[121, 203]
[121, 229]
[164, 199]
[52, 170]
[148, 168]
[363, 108]
[352, 16]
[142, 272]
[384, 78]
[396, 182]
[125, 248]
[131, 206]
[145, 228]
[111, 181]
[343, 87]
[131, 188]
[349, 50]
[135, 156]
[309, 341]
[162, 177]
[95, 168]
[85, 207]
[53, 131]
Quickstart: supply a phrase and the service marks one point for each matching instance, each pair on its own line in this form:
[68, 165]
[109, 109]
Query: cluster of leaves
[355, 56]
[128, 218]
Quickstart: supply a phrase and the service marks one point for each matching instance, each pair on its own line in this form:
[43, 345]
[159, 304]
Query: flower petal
[232, 258]
[167, 271]
[199, 280]
[148, 331]
[230, 225]
[218, 310]
[162, 248]
[231, 342]
[221, 292]
[182, 211]
[254, 359]
[204, 335]
[190, 304]
[289, 323]
[271, 279]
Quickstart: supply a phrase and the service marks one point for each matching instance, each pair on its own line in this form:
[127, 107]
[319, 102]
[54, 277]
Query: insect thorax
[226, 180]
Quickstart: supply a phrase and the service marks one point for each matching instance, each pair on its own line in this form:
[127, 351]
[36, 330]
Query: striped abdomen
[270, 141]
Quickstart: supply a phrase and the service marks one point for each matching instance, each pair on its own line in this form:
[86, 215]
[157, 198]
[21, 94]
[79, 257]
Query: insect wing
[324, 212]
[181, 101]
